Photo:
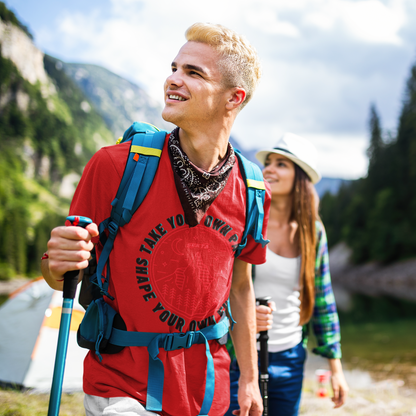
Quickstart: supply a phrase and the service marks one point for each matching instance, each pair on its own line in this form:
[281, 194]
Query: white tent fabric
[29, 327]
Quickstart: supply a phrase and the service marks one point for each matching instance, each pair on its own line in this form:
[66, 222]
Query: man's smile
[176, 97]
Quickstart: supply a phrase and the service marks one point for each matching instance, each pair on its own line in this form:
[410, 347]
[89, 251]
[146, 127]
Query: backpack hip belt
[170, 342]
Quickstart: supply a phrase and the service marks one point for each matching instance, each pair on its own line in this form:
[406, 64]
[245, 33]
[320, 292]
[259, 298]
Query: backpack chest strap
[170, 342]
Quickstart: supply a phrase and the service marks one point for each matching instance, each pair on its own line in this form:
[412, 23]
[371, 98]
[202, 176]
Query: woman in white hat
[296, 276]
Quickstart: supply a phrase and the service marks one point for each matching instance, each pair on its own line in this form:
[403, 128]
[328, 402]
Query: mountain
[330, 185]
[117, 100]
[48, 132]
[43, 109]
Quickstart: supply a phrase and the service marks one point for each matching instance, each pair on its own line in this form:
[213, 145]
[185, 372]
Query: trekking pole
[70, 288]
[264, 361]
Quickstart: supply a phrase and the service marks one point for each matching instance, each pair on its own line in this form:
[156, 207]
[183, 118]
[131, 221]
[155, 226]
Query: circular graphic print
[192, 275]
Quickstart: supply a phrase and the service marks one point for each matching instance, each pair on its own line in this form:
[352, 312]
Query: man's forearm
[244, 334]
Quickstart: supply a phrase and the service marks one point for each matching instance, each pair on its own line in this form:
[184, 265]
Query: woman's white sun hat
[298, 150]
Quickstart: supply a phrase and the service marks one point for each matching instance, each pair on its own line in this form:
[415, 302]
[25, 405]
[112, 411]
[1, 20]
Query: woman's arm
[339, 384]
[325, 321]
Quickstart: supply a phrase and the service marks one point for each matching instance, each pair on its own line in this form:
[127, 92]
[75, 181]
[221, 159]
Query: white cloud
[366, 20]
[320, 20]
[341, 155]
[372, 21]
[267, 21]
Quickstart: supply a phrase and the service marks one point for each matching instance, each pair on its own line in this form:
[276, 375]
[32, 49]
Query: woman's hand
[338, 382]
[264, 317]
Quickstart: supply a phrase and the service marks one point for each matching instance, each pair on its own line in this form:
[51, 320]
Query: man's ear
[236, 98]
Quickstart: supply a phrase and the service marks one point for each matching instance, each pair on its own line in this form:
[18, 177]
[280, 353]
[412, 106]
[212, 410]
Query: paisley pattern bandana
[197, 189]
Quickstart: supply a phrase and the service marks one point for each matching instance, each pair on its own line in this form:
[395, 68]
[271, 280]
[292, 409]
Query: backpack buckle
[177, 341]
[112, 228]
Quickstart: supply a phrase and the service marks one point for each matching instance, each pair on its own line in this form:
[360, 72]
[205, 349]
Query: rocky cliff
[373, 279]
[20, 49]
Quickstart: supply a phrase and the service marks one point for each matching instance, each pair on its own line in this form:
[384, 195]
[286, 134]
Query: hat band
[283, 150]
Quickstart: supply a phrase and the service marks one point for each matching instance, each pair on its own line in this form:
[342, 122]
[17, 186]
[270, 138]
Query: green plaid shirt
[324, 321]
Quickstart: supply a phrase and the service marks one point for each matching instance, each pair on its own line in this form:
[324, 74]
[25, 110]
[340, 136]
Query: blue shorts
[285, 382]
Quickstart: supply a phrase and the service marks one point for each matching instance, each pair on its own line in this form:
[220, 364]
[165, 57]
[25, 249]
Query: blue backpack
[102, 328]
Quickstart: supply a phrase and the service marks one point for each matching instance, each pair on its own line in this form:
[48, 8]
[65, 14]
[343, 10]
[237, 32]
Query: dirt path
[366, 397]
[9, 286]
[381, 399]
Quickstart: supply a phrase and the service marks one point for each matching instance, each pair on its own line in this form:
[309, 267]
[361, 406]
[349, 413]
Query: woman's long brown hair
[305, 213]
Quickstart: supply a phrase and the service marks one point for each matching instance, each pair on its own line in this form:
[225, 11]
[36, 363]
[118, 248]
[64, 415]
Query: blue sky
[324, 61]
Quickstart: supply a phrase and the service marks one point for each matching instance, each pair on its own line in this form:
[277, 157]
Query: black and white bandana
[197, 189]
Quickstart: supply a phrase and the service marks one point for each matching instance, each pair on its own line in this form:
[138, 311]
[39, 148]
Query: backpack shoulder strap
[256, 191]
[142, 163]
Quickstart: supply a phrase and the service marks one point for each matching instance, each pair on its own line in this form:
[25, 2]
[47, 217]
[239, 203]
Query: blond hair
[240, 65]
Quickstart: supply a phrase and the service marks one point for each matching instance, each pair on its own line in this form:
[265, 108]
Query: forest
[376, 215]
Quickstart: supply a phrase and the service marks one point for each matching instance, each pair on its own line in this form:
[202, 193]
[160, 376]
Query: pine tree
[406, 165]
[377, 165]
[376, 141]
[406, 140]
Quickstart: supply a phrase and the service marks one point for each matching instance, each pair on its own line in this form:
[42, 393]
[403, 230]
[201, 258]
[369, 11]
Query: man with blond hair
[188, 265]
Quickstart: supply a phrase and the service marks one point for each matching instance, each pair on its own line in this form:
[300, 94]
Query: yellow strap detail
[251, 183]
[119, 140]
[145, 151]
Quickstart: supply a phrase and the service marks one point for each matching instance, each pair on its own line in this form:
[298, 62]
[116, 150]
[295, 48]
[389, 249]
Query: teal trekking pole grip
[70, 288]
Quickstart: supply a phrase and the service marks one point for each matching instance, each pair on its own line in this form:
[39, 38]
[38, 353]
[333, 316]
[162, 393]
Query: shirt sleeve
[97, 188]
[253, 252]
[325, 322]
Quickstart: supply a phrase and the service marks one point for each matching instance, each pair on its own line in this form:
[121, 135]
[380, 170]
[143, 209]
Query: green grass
[380, 342]
[13, 403]
[385, 349]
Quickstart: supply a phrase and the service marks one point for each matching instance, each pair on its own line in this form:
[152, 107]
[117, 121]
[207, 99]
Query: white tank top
[279, 278]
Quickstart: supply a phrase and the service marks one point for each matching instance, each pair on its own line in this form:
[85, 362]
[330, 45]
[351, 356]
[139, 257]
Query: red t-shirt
[166, 277]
